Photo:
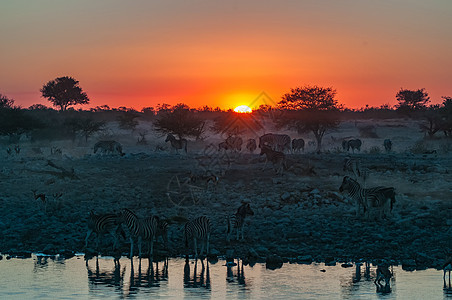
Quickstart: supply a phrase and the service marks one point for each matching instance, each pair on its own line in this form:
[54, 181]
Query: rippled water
[48, 278]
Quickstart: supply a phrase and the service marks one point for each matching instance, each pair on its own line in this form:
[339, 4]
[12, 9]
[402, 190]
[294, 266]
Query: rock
[304, 259]
[285, 196]
[408, 264]
[347, 265]
[273, 262]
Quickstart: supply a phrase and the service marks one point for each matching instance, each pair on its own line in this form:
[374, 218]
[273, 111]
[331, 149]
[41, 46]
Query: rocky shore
[298, 217]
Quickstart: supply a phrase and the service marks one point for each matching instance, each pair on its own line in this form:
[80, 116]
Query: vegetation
[310, 109]
[179, 120]
[64, 92]
[409, 100]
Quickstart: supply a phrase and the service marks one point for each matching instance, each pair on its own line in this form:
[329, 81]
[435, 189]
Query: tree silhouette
[412, 100]
[64, 92]
[179, 120]
[309, 109]
[15, 121]
[5, 102]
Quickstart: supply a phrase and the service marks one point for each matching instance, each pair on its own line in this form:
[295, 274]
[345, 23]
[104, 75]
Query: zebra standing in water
[277, 158]
[103, 223]
[198, 229]
[277, 142]
[376, 197]
[146, 229]
[237, 220]
[176, 144]
[162, 230]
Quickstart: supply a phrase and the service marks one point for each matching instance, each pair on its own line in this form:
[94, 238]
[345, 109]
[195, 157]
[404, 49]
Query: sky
[141, 53]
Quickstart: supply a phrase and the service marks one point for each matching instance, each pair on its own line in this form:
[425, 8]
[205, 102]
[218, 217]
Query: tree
[412, 100]
[127, 120]
[15, 121]
[433, 123]
[446, 115]
[5, 102]
[86, 126]
[64, 92]
[179, 120]
[309, 109]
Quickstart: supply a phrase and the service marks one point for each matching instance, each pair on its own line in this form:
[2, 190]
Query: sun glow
[243, 109]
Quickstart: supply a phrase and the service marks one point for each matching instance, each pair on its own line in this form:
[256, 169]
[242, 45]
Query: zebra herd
[152, 227]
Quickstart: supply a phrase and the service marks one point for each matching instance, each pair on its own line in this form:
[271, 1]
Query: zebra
[162, 230]
[354, 144]
[146, 229]
[234, 143]
[447, 267]
[353, 165]
[251, 145]
[103, 223]
[376, 197]
[108, 147]
[297, 144]
[237, 220]
[278, 142]
[176, 144]
[198, 228]
[388, 145]
[277, 158]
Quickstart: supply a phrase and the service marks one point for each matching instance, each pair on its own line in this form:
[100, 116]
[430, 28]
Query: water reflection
[197, 281]
[240, 272]
[110, 278]
[143, 275]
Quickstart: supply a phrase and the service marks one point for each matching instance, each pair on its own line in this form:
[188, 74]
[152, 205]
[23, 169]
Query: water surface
[53, 278]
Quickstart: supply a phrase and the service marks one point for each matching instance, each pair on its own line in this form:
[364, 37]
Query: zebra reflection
[150, 277]
[201, 281]
[240, 272]
[113, 277]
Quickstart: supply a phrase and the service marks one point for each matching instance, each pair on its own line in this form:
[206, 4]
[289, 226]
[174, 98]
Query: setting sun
[242, 109]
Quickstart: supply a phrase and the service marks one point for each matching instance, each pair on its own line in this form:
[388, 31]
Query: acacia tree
[309, 109]
[412, 100]
[6, 102]
[64, 92]
[179, 120]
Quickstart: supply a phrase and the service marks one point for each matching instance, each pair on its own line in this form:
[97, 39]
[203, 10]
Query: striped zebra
[353, 165]
[277, 158]
[277, 142]
[376, 197]
[101, 224]
[388, 145]
[297, 145]
[141, 229]
[237, 220]
[353, 144]
[106, 147]
[176, 144]
[251, 145]
[198, 229]
[162, 231]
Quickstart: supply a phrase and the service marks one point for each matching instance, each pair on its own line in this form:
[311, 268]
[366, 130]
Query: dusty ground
[299, 215]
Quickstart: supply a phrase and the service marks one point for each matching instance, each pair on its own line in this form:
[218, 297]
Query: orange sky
[225, 53]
